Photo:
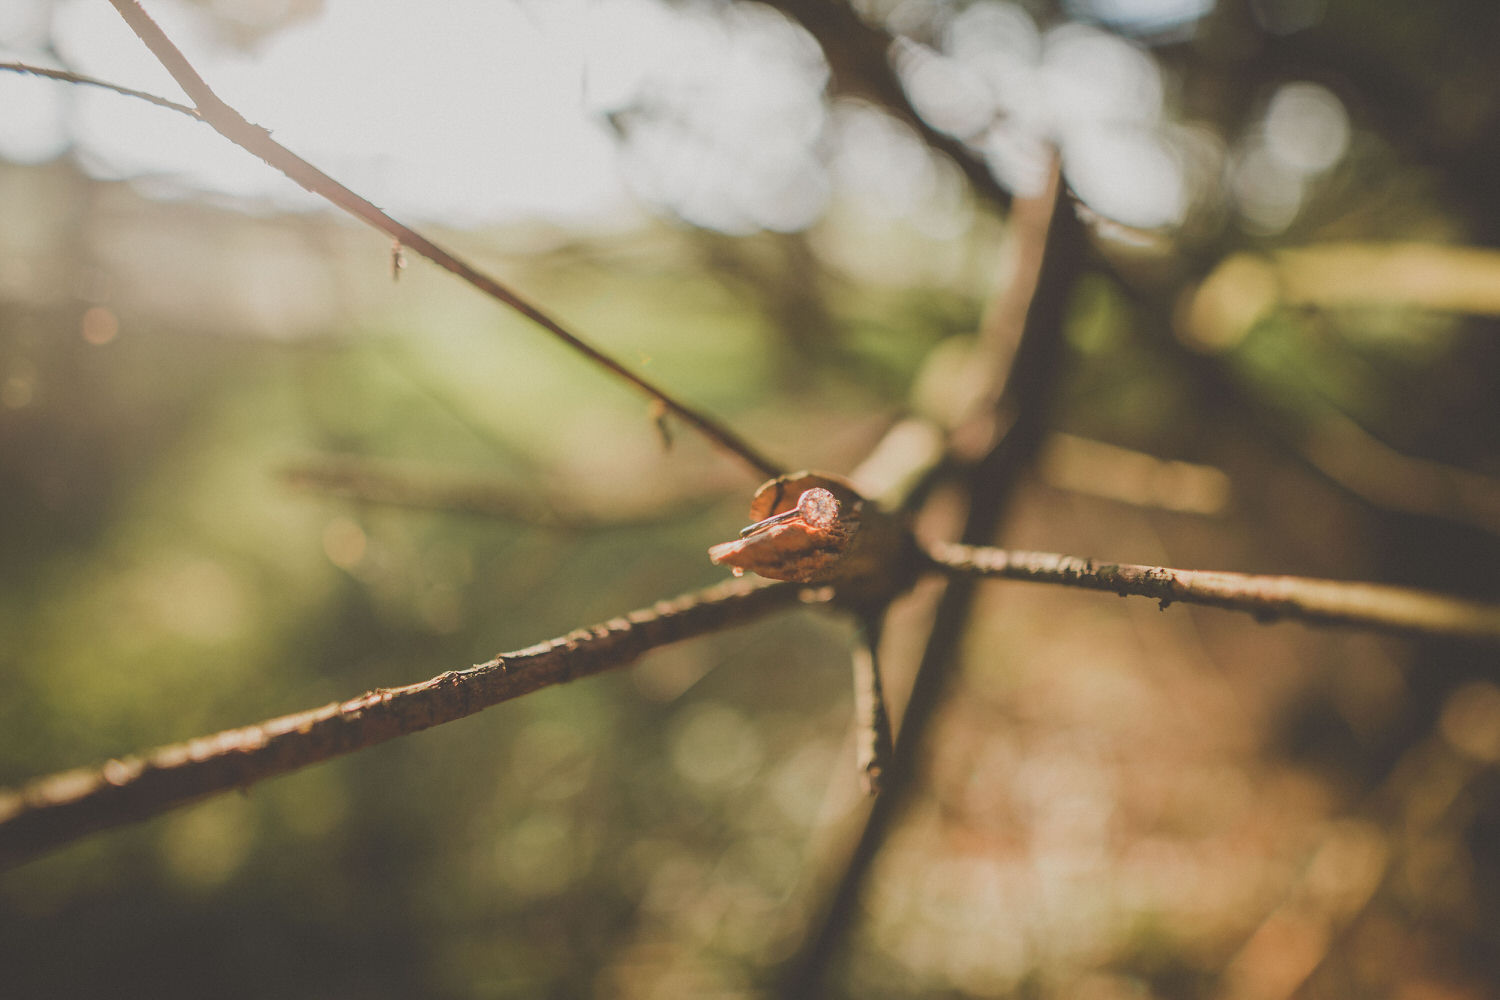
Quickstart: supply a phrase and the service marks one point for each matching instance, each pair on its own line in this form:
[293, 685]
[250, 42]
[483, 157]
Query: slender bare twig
[387, 485]
[1268, 598]
[52, 811]
[872, 726]
[89, 81]
[232, 125]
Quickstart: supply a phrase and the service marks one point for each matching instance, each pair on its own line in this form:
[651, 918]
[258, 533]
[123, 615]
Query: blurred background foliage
[1283, 357]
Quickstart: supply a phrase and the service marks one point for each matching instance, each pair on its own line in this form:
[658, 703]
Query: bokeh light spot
[1307, 127]
[344, 543]
[717, 746]
[99, 326]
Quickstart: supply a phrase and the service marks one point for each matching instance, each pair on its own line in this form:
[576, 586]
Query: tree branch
[385, 484]
[872, 724]
[859, 63]
[1268, 598]
[256, 140]
[55, 810]
[89, 81]
[1023, 340]
[1339, 448]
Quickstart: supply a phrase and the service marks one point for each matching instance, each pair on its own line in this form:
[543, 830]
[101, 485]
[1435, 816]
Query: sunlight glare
[491, 113]
[471, 118]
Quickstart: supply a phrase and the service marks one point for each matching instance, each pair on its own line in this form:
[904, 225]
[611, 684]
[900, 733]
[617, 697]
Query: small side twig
[387, 485]
[229, 123]
[1268, 598]
[872, 725]
[55, 810]
[88, 81]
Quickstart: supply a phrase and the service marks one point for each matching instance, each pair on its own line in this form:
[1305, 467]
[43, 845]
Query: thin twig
[89, 81]
[387, 485]
[872, 725]
[55, 810]
[1268, 598]
[231, 124]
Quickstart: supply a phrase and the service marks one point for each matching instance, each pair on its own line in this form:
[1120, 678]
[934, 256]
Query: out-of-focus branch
[1024, 336]
[1336, 447]
[53, 811]
[1095, 468]
[231, 124]
[858, 59]
[1268, 598]
[1313, 430]
[1364, 465]
[379, 483]
[1425, 803]
[1242, 290]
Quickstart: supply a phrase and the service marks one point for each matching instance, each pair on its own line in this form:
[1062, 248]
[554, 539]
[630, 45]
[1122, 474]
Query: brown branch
[1339, 448]
[55, 810]
[384, 484]
[872, 725]
[1268, 598]
[89, 81]
[1314, 429]
[1124, 475]
[1024, 337]
[256, 140]
[859, 64]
